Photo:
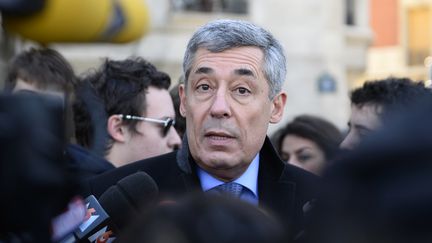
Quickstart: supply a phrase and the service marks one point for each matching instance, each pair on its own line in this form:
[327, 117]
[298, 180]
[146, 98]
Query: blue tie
[231, 189]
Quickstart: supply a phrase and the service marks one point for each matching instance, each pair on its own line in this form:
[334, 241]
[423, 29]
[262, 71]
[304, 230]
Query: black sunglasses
[167, 123]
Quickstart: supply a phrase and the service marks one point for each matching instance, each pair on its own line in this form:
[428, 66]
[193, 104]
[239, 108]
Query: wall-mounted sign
[326, 83]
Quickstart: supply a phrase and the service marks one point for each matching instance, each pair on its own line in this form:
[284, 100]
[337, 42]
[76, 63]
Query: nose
[220, 107]
[174, 140]
[293, 160]
[349, 142]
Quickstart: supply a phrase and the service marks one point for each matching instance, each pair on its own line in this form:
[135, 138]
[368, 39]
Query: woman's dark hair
[322, 132]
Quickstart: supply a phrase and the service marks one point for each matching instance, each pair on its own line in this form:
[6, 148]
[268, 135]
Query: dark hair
[390, 94]
[119, 87]
[326, 135]
[43, 68]
[206, 219]
[180, 124]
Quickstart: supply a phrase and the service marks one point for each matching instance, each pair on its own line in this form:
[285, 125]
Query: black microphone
[116, 207]
[128, 197]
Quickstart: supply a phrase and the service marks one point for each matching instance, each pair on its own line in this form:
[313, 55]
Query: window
[226, 6]
[350, 12]
[419, 34]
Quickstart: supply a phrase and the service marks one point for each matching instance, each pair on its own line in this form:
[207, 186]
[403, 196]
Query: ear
[116, 129]
[182, 94]
[278, 107]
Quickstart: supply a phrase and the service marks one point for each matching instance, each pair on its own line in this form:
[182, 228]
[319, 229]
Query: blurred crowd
[212, 174]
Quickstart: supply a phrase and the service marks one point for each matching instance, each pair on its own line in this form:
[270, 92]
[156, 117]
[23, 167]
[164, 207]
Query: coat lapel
[276, 192]
[187, 166]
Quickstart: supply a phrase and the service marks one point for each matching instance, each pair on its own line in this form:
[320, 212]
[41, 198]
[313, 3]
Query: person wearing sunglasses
[136, 115]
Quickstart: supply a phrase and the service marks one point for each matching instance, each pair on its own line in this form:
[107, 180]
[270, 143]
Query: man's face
[227, 109]
[363, 120]
[149, 141]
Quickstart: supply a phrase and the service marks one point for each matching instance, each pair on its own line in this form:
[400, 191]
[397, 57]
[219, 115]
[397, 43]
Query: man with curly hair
[375, 101]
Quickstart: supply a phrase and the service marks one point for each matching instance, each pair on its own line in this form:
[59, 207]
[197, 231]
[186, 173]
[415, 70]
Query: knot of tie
[231, 189]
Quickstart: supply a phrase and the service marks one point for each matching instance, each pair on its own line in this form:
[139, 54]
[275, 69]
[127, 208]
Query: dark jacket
[84, 163]
[283, 189]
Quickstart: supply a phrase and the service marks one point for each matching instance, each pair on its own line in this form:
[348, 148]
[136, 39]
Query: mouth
[218, 135]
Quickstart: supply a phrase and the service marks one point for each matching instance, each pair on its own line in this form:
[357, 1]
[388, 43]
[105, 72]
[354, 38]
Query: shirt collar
[248, 179]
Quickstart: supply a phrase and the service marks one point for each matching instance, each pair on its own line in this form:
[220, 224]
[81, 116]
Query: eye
[304, 157]
[203, 87]
[242, 91]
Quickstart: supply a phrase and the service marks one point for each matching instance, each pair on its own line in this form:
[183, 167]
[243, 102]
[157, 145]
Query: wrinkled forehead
[247, 56]
[202, 49]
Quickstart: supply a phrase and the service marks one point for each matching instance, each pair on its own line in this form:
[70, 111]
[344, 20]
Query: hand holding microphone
[116, 207]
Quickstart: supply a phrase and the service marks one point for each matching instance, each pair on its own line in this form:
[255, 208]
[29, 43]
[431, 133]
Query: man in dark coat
[234, 73]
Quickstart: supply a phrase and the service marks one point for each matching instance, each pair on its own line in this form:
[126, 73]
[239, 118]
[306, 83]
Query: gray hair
[220, 35]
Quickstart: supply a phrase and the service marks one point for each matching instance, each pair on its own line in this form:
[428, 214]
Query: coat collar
[183, 157]
[276, 189]
[187, 166]
[277, 184]
[186, 163]
[272, 180]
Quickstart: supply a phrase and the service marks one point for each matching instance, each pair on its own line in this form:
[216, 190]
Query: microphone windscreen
[128, 197]
[139, 188]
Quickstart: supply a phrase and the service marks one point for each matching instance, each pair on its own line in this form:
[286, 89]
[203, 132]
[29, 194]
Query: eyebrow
[244, 72]
[362, 127]
[302, 149]
[204, 70]
[240, 71]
